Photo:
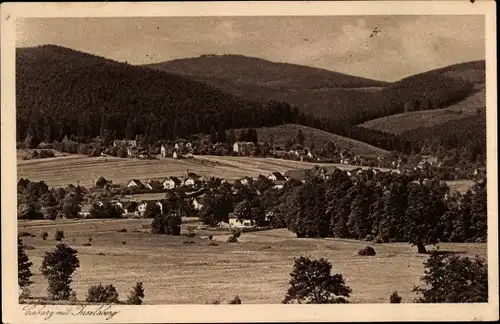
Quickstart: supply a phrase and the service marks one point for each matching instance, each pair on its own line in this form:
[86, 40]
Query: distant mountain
[461, 125]
[60, 91]
[320, 93]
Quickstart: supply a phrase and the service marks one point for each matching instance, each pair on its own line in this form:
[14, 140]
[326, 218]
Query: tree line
[384, 208]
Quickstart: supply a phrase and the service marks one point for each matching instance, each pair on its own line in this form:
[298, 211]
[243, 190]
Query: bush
[44, 235]
[452, 279]
[136, 295]
[395, 298]
[102, 294]
[235, 301]
[59, 236]
[123, 230]
[313, 283]
[232, 239]
[87, 244]
[23, 234]
[368, 250]
[213, 244]
[210, 237]
[58, 267]
[124, 242]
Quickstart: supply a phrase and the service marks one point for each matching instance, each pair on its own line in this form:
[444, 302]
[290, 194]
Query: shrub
[123, 230]
[58, 266]
[313, 283]
[136, 295]
[124, 242]
[210, 237]
[23, 234]
[213, 244]
[87, 244]
[236, 233]
[45, 235]
[59, 236]
[23, 266]
[452, 279]
[235, 301]
[368, 250]
[395, 298]
[102, 294]
[232, 239]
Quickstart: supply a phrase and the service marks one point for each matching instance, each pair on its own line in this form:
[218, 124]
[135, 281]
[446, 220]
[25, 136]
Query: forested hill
[325, 94]
[250, 71]
[60, 91]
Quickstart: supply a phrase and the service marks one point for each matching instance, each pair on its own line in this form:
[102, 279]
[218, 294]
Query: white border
[12, 311]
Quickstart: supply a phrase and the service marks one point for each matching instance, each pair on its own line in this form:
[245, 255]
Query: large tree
[24, 273]
[454, 279]
[58, 267]
[426, 206]
[312, 283]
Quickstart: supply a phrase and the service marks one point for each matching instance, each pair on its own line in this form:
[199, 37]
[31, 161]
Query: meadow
[73, 169]
[61, 171]
[256, 268]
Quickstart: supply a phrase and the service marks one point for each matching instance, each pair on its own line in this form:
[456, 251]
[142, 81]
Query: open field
[257, 268]
[71, 169]
[400, 123]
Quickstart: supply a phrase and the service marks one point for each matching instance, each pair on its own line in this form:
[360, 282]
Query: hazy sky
[405, 45]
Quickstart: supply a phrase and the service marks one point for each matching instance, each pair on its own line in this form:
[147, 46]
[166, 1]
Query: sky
[404, 45]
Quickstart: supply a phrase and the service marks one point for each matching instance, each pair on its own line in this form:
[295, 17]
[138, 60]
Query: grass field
[257, 268]
[61, 171]
[399, 123]
[64, 170]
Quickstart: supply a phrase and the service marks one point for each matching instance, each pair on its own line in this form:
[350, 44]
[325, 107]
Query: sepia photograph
[246, 154]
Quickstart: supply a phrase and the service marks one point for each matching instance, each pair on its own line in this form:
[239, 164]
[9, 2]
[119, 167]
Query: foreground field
[257, 268]
[61, 171]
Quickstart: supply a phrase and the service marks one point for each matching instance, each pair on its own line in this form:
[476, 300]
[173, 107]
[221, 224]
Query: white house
[134, 183]
[244, 148]
[171, 183]
[163, 151]
[234, 222]
[190, 181]
[276, 176]
[141, 208]
[174, 155]
[197, 205]
[246, 181]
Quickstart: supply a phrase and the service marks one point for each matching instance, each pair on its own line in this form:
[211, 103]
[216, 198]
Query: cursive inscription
[47, 311]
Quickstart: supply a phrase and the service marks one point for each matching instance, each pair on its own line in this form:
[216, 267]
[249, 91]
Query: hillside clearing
[281, 133]
[257, 268]
[400, 123]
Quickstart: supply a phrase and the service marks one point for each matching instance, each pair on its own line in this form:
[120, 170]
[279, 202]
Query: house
[148, 185]
[132, 151]
[191, 180]
[243, 148]
[163, 151]
[141, 208]
[427, 161]
[134, 183]
[241, 223]
[174, 155]
[197, 203]
[171, 183]
[276, 176]
[125, 142]
[246, 181]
